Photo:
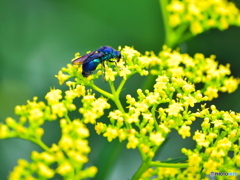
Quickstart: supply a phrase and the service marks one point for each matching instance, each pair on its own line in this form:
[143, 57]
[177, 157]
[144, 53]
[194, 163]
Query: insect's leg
[113, 61]
[103, 70]
[124, 60]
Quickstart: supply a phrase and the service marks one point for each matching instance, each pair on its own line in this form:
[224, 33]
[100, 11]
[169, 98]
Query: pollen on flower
[47, 157]
[64, 168]
[4, 131]
[230, 85]
[189, 100]
[100, 127]
[129, 53]
[82, 131]
[124, 72]
[210, 166]
[110, 133]
[184, 131]
[176, 6]
[66, 142]
[200, 138]
[91, 171]
[35, 114]
[62, 77]
[132, 142]
[59, 109]
[11, 122]
[156, 138]
[196, 27]
[44, 170]
[202, 15]
[211, 93]
[54, 96]
[110, 74]
[80, 90]
[70, 95]
[122, 135]
[224, 144]
[174, 109]
[188, 88]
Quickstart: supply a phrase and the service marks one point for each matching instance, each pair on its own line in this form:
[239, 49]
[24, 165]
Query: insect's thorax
[106, 57]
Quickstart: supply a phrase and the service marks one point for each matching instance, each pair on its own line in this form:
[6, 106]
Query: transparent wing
[88, 57]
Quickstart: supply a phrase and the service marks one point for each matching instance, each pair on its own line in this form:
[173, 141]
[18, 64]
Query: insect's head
[118, 55]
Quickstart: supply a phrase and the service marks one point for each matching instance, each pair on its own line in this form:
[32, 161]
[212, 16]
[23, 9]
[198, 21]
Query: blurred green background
[38, 37]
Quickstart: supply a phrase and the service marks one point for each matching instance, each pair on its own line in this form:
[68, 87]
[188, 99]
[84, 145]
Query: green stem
[121, 86]
[41, 144]
[116, 100]
[116, 95]
[105, 93]
[176, 35]
[67, 117]
[153, 110]
[169, 36]
[144, 166]
[170, 165]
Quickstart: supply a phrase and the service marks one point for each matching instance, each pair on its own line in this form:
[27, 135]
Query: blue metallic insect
[91, 60]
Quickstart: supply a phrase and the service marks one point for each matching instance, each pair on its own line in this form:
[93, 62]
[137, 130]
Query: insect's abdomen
[89, 67]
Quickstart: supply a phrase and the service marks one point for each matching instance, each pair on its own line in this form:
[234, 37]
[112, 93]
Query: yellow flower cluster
[71, 151]
[149, 116]
[93, 108]
[201, 15]
[68, 156]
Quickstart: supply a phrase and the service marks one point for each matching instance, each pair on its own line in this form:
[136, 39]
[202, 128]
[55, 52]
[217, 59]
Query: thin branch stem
[105, 93]
[171, 165]
[115, 97]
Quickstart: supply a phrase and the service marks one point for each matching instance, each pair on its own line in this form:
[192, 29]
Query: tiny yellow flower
[47, 157]
[64, 168]
[188, 88]
[156, 138]
[70, 94]
[44, 170]
[211, 93]
[174, 109]
[230, 85]
[66, 142]
[54, 96]
[100, 127]
[196, 27]
[124, 72]
[89, 116]
[110, 74]
[4, 131]
[80, 90]
[59, 109]
[122, 135]
[200, 138]
[35, 114]
[110, 133]
[129, 53]
[184, 131]
[189, 100]
[62, 77]
[210, 166]
[132, 142]
[224, 144]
